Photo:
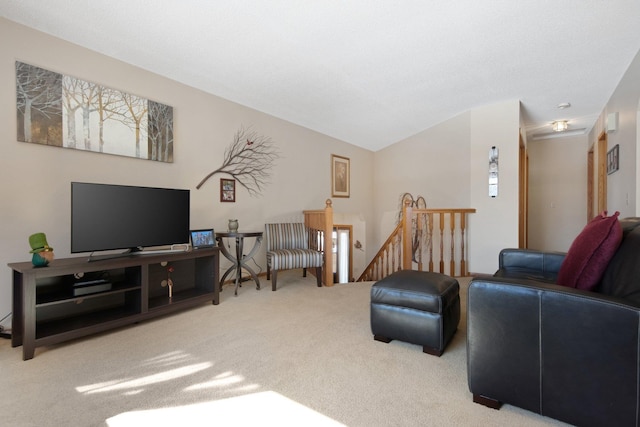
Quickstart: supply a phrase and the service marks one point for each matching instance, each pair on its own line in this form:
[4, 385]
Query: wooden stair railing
[319, 223]
[413, 240]
[387, 260]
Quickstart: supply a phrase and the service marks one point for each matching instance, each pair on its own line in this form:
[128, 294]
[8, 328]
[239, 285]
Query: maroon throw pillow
[591, 252]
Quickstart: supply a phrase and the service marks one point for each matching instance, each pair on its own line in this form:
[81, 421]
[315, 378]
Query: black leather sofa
[565, 353]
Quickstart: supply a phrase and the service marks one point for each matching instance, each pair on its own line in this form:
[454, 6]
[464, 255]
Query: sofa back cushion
[622, 276]
[591, 252]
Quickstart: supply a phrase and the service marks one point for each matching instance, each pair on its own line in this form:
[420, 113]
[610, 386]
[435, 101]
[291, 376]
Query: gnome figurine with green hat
[42, 252]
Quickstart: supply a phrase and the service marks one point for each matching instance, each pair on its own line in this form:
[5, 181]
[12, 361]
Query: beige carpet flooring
[300, 356]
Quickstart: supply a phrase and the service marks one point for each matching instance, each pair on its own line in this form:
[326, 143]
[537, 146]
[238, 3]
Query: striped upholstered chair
[288, 248]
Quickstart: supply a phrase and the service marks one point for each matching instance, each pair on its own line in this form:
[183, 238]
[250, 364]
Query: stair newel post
[328, 243]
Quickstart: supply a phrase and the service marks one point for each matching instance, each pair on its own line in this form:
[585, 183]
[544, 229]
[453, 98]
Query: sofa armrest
[531, 264]
[561, 352]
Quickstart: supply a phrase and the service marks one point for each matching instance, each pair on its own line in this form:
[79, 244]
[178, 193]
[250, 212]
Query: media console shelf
[72, 298]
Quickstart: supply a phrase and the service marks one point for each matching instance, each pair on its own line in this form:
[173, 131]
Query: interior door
[523, 199]
[591, 196]
[342, 256]
[602, 173]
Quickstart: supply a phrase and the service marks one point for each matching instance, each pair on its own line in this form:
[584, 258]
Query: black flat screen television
[107, 217]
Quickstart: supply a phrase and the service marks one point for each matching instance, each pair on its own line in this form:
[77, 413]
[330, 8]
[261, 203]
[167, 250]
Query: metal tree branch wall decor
[249, 160]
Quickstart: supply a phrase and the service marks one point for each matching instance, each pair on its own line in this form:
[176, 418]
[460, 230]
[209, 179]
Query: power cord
[257, 265]
[247, 278]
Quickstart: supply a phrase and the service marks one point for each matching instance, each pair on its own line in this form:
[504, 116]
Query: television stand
[71, 298]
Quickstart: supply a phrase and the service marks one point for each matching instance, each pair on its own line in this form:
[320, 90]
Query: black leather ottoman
[418, 307]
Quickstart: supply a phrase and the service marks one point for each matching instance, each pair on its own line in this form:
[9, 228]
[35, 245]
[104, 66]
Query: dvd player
[91, 287]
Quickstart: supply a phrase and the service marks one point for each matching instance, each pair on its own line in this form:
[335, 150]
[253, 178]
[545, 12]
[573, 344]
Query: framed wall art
[64, 111]
[340, 176]
[613, 159]
[227, 190]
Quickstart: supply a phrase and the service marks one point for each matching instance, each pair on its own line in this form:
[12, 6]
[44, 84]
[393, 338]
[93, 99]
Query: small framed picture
[613, 159]
[227, 190]
[205, 238]
[340, 180]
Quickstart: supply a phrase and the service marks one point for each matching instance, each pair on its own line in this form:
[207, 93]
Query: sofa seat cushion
[591, 252]
[287, 259]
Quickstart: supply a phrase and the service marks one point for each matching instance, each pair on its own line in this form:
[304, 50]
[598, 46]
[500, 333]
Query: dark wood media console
[72, 298]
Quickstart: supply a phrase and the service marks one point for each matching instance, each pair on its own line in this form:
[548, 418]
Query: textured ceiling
[368, 72]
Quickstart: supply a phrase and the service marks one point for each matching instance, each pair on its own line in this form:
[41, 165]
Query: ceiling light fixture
[560, 126]
[553, 135]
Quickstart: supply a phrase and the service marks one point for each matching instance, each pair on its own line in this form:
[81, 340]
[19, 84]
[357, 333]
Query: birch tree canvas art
[59, 110]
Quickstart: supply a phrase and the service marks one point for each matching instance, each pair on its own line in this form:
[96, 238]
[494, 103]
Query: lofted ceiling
[368, 72]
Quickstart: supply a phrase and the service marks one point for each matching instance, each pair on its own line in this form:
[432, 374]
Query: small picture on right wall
[613, 159]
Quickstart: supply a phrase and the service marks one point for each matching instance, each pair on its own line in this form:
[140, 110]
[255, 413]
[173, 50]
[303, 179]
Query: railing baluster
[419, 232]
[463, 264]
[430, 246]
[452, 261]
[442, 242]
[397, 251]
